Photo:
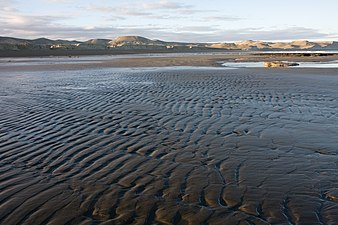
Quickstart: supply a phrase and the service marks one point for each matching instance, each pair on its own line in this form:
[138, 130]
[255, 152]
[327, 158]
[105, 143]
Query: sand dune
[168, 146]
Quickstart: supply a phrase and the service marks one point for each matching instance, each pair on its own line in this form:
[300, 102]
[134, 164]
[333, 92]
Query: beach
[168, 140]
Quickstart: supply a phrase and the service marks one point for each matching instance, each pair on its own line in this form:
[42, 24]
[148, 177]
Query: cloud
[164, 4]
[119, 12]
[98, 8]
[149, 10]
[37, 26]
[162, 10]
[7, 3]
[198, 29]
[221, 18]
[17, 24]
[166, 17]
[59, 1]
[13, 23]
[129, 12]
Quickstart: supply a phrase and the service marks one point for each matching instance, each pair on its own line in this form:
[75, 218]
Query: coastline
[196, 59]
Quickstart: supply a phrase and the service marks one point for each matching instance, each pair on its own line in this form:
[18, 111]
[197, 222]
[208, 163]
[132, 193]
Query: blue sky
[202, 21]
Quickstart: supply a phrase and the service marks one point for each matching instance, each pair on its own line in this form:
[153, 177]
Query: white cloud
[119, 12]
[7, 3]
[145, 9]
[163, 9]
[221, 18]
[36, 26]
[164, 4]
[198, 29]
[59, 1]
[98, 8]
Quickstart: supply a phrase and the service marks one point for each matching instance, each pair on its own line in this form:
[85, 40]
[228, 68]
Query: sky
[171, 20]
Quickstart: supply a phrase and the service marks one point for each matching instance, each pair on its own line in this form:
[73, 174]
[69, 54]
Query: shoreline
[98, 52]
[201, 59]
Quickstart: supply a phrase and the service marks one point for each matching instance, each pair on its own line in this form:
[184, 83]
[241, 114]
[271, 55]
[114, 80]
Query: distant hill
[9, 43]
[142, 43]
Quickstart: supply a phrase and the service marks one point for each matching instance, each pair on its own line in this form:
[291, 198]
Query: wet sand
[168, 146]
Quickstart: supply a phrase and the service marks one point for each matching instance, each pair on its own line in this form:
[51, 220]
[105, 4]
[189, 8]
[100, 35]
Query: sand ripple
[162, 146]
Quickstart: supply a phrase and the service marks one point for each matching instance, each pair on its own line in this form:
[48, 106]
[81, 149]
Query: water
[243, 64]
[331, 64]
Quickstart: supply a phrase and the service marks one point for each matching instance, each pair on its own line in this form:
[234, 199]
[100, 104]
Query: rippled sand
[169, 146]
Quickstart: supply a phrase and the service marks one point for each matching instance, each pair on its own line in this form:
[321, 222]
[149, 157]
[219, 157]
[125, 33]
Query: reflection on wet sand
[179, 146]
